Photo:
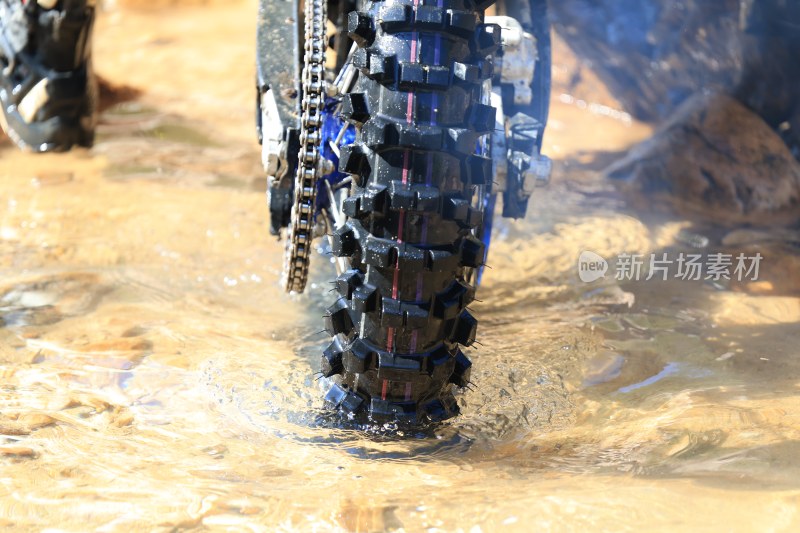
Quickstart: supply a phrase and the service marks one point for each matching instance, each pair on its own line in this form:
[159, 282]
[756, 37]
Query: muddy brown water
[153, 376]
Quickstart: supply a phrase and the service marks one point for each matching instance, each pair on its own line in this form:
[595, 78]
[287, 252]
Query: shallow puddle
[154, 376]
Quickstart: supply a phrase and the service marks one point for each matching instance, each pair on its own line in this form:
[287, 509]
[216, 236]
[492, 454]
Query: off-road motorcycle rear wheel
[415, 190]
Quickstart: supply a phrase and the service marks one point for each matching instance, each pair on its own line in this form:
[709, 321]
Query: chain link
[301, 228]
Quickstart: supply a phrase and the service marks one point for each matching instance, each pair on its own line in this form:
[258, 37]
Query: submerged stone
[714, 153]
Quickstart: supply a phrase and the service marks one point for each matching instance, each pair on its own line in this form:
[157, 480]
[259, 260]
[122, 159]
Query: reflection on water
[153, 375]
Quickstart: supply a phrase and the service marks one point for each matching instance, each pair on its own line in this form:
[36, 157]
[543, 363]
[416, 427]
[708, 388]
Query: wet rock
[217, 452]
[770, 72]
[111, 93]
[121, 417]
[652, 54]
[45, 179]
[694, 240]
[360, 516]
[655, 55]
[36, 421]
[745, 237]
[714, 153]
[11, 348]
[17, 452]
[48, 299]
[779, 269]
[610, 296]
[739, 309]
[604, 367]
[24, 424]
[13, 428]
